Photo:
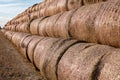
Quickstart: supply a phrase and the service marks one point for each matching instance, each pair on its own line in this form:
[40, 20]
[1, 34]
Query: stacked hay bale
[54, 36]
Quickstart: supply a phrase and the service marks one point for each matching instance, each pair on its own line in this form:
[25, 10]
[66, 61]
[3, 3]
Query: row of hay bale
[68, 59]
[49, 8]
[99, 23]
[57, 44]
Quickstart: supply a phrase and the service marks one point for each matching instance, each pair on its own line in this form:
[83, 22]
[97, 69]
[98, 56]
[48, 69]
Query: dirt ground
[13, 66]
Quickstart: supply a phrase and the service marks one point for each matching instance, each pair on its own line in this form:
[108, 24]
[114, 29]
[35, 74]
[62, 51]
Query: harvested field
[13, 66]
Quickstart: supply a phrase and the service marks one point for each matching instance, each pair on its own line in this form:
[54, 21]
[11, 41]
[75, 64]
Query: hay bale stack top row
[96, 23]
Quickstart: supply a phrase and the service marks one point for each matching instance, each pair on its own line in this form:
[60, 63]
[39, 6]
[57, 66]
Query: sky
[10, 8]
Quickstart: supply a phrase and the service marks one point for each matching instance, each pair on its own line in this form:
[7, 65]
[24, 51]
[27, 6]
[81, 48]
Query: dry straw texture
[46, 31]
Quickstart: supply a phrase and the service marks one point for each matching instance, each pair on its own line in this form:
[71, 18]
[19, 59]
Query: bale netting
[47, 54]
[89, 62]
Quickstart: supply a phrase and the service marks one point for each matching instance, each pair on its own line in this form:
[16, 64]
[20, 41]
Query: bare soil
[13, 66]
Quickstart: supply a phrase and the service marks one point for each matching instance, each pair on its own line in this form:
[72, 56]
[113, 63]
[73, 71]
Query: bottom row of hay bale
[68, 59]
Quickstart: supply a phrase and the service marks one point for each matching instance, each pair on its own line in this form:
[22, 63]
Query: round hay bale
[34, 25]
[5, 34]
[61, 6]
[74, 4]
[41, 47]
[33, 7]
[14, 38]
[82, 23]
[47, 54]
[51, 9]
[31, 47]
[3, 31]
[40, 52]
[41, 27]
[42, 4]
[109, 68]
[50, 1]
[37, 7]
[107, 22]
[24, 45]
[25, 18]
[18, 37]
[21, 38]
[34, 15]
[13, 27]
[9, 35]
[81, 64]
[21, 27]
[42, 11]
[49, 26]
[19, 20]
[61, 26]
[6, 27]
[29, 10]
[15, 22]
[18, 27]
[25, 27]
[10, 27]
[58, 6]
